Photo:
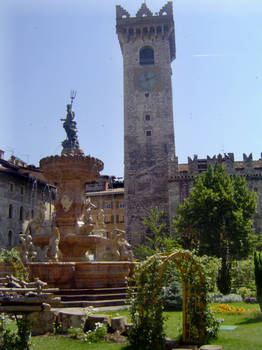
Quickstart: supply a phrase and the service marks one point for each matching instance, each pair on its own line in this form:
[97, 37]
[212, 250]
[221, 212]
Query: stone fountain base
[82, 275]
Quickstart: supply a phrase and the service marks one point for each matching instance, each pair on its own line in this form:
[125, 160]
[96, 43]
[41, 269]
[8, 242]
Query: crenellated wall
[182, 177]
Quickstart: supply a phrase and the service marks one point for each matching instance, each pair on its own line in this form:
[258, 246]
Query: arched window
[146, 56]
[21, 213]
[10, 238]
[10, 211]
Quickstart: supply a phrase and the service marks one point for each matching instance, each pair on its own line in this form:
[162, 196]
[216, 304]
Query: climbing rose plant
[147, 306]
[147, 301]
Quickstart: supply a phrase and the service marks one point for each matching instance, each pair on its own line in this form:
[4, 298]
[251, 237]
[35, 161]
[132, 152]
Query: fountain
[58, 250]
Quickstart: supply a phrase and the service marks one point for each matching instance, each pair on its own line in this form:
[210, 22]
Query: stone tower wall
[146, 156]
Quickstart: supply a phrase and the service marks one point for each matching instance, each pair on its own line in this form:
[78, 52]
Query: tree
[216, 219]
[156, 238]
[258, 276]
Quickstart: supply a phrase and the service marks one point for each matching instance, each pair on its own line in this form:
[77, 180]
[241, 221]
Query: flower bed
[231, 309]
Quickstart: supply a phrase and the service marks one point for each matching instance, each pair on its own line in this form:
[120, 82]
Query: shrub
[229, 298]
[242, 274]
[258, 276]
[16, 340]
[173, 296]
[12, 257]
[97, 334]
[245, 292]
[211, 266]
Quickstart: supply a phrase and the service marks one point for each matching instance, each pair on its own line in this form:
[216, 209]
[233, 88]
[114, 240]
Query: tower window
[10, 211]
[148, 132]
[21, 213]
[146, 94]
[146, 56]
[10, 239]
[147, 117]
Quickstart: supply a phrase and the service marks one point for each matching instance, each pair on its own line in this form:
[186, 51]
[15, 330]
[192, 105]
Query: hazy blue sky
[49, 47]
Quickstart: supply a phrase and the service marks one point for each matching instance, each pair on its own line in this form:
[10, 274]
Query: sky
[50, 47]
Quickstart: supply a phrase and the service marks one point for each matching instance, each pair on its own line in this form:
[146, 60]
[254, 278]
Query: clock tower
[147, 43]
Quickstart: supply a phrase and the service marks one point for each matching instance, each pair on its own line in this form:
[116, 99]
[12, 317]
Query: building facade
[20, 193]
[147, 43]
[108, 194]
[182, 177]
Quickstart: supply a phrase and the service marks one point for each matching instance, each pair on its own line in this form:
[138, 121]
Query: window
[148, 132]
[147, 117]
[107, 220]
[22, 190]
[112, 219]
[32, 213]
[21, 213]
[117, 219]
[121, 205]
[10, 211]
[10, 239]
[146, 56]
[11, 187]
[107, 205]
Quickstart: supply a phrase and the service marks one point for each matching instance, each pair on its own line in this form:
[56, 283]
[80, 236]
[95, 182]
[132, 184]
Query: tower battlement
[146, 25]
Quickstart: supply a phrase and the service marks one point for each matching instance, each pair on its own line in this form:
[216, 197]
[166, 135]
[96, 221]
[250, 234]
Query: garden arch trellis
[194, 286]
[150, 280]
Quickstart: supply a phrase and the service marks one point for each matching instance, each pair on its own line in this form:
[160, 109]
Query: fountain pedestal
[70, 172]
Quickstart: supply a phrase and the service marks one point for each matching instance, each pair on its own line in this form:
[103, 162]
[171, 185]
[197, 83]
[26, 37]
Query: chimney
[2, 154]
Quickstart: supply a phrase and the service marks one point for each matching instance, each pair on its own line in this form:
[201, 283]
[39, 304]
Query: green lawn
[247, 335]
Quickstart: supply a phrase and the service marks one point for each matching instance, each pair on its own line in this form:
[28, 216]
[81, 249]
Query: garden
[246, 335]
[157, 309]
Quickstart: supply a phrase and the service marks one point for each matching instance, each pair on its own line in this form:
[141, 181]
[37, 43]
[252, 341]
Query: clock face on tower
[147, 79]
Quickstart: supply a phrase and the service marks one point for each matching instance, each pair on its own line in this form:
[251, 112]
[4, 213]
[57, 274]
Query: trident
[72, 96]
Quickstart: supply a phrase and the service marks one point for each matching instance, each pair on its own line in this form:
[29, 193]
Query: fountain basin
[74, 247]
[82, 275]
